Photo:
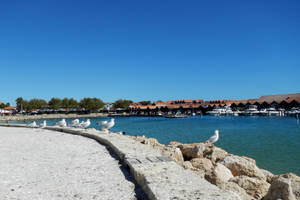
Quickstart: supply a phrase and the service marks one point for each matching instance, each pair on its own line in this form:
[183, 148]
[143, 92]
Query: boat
[251, 110]
[272, 111]
[177, 115]
[263, 112]
[294, 111]
[217, 111]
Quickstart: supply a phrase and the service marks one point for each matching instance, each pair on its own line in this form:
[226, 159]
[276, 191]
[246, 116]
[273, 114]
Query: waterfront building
[265, 105]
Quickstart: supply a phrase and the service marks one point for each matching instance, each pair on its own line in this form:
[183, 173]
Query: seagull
[214, 138]
[61, 123]
[33, 124]
[107, 125]
[84, 124]
[75, 123]
[44, 124]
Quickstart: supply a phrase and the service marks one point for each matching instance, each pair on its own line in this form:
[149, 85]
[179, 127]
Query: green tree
[3, 105]
[55, 103]
[144, 103]
[65, 103]
[69, 103]
[36, 104]
[73, 103]
[122, 103]
[19, 103]
[91, 104]
[25, 105]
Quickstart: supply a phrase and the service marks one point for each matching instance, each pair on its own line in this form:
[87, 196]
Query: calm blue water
[274, 142]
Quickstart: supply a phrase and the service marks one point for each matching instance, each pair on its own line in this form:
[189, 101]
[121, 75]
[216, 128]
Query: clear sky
[149, 50]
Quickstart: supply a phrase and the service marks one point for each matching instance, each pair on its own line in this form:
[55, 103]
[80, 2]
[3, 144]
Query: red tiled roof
[9, 108]
[286, 97]
[173, 106]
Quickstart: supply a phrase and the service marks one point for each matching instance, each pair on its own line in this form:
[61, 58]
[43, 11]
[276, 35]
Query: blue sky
[149, 50]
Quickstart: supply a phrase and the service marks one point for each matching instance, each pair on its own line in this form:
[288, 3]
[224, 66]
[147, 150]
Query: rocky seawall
[238, 174]
[49, 116]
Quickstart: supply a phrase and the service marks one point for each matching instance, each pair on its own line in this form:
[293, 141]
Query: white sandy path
[41, 164]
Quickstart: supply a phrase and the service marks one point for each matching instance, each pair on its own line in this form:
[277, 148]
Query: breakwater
[206, 172]
[232, 173]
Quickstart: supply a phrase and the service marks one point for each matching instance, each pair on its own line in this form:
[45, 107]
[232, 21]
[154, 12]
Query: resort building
[279, 102]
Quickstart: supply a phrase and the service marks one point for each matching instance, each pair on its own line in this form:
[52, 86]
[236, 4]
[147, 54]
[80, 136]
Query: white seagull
[33, 124]
[61, 123]
[107, 125]
[84, 124]
[75, 123]
[44, 124]
[214, 138]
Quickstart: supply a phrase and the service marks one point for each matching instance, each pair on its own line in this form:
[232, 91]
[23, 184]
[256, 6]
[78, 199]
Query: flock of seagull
[76, 124]
[104, 124]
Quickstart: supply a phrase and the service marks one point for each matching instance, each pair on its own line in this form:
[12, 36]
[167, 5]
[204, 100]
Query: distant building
[108, 106]
[285, 100]
[7, 110]
[279, 98]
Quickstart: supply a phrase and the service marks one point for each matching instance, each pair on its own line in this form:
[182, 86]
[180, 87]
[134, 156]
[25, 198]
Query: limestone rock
[249, 159]
[254, 187]
[187, 165]
[152, 142]
[233, 187]
[242, 166]
[196, 150]
[295, 181]
[217, 154]
[173, 153]
[202, 163]
[280, 189]
[285, 186]
[219, 175]
[174, 144]
[269, 176]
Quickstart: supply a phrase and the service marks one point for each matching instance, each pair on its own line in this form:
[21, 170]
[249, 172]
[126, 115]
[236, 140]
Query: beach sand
[41, 164]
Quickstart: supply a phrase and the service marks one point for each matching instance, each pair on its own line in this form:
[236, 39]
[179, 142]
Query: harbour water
[274, 142]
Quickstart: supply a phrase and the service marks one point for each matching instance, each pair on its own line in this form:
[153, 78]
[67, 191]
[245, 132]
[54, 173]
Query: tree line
[3, 105]
[88, 104]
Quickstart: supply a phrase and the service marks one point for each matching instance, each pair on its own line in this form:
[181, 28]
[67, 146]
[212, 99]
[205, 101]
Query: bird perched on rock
[33, 124]
[107, 125]
[44, 124]
[75, 123]
[61, 123]
[85, 124]
[214, 138]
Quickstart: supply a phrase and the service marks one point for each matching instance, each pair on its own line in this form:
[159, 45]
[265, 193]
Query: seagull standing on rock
[32, 125]
[75, 123]
[214, 138]
[44, 124]
[61, 123]
[107, 125]
[84, 124]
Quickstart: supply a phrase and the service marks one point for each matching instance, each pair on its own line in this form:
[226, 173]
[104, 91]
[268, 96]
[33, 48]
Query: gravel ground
[40, 164]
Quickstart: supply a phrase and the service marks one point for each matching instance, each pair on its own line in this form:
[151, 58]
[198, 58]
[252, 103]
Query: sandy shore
[42, 164]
